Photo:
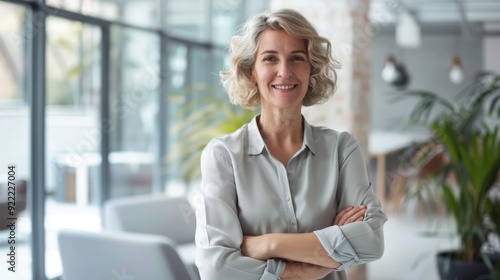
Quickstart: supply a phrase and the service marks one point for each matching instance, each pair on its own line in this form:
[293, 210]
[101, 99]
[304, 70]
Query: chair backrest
[119, 256]
[172, 217]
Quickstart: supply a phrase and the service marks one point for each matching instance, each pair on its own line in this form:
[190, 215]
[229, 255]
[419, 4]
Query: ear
[252, 77]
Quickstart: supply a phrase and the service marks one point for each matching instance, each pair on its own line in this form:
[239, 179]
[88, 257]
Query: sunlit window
[13, 50]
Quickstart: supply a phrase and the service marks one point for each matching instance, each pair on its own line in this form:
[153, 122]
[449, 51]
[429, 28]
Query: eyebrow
[275, 52]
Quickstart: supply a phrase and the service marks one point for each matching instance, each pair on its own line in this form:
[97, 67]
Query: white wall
[491, 49]
[66, 133]
[491, 56]
[71, 134]
[428, 67]
[14, 142]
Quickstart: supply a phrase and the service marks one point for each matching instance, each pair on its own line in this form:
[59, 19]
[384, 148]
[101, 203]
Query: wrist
[292, 271]
[272, 243]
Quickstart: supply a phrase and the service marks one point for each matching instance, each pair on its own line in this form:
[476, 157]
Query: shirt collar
[309, 137]
[256, 144]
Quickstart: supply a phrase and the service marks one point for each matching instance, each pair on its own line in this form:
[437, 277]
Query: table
[82, 163]
[383, 143]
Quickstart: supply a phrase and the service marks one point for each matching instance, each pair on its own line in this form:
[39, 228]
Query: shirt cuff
[274, 270]
[337, 246]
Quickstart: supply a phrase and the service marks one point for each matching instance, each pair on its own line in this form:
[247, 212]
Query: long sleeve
[358, 242]
[218, 230]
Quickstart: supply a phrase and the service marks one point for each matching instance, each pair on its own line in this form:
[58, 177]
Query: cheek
[302, 71]
[307, 70]
[305, 76]
[264, 76]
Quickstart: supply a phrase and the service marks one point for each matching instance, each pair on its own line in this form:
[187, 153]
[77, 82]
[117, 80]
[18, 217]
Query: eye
[298, 58]
[269, 58]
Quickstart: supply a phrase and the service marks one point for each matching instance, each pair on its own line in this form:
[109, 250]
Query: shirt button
[292, 223]
[287, 198]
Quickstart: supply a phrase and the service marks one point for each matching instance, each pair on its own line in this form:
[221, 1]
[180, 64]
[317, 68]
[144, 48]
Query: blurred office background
[95, 93]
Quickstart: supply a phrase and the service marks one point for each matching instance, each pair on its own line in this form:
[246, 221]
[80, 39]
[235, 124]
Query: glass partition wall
[134, 96]
[15, 173]
[91, 90]
[72, 131]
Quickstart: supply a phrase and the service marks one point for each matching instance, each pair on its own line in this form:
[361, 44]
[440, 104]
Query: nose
[284, 70]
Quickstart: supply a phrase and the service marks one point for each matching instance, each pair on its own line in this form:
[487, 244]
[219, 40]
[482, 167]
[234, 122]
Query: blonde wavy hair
[323, 77]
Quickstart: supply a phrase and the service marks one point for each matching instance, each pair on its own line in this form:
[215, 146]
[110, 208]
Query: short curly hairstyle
[243, 48]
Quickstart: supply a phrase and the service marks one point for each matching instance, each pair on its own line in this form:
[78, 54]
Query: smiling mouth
[284, 87]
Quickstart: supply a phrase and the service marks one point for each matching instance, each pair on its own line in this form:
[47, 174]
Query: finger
[351, 213]
[355, 217]
[342, 213]
[347, 215]
[345, 210]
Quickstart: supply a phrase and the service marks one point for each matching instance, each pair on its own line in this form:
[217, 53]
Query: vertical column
[36, 188]
[160, 177]
[360, 94]
[106, 122]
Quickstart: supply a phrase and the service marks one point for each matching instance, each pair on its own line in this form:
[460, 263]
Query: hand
[350, 215]
[300, 271]
[256, 247]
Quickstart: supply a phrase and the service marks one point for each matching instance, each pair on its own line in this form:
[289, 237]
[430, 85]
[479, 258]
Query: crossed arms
[306, 257]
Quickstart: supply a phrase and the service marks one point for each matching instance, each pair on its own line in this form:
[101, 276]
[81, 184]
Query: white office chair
[170, 217]
[106, 255]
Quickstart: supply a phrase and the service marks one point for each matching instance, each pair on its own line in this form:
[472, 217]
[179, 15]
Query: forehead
[280, 40]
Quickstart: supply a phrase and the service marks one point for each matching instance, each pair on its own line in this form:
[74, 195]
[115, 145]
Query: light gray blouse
[246, 191]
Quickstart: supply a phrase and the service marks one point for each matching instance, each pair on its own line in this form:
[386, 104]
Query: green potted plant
[475, 163]
[495, 219]
[202, 120]
[473, 151]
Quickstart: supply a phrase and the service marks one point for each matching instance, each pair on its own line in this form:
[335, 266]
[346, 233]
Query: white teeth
[285, 87]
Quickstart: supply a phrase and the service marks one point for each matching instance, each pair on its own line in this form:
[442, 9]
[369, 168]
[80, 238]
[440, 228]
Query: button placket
[289, 211]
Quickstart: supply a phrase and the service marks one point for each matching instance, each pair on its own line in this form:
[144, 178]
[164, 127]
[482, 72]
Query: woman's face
[281, 70]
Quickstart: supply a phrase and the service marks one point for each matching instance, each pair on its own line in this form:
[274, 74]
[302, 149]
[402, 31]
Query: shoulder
[332, 143]
[340, 139]
[225, 146]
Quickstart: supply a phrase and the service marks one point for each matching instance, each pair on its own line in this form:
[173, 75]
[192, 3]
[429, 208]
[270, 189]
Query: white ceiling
[466, 16]
[439, 11]
[425, 11]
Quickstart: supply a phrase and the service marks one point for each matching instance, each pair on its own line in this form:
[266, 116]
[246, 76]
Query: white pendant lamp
[394, 73]
[389, 72]
[456, 71]
[407, 31]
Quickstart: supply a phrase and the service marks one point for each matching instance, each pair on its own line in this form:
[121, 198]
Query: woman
[282, 199]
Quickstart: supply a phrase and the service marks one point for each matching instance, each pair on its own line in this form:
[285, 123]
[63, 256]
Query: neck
[281, 127]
